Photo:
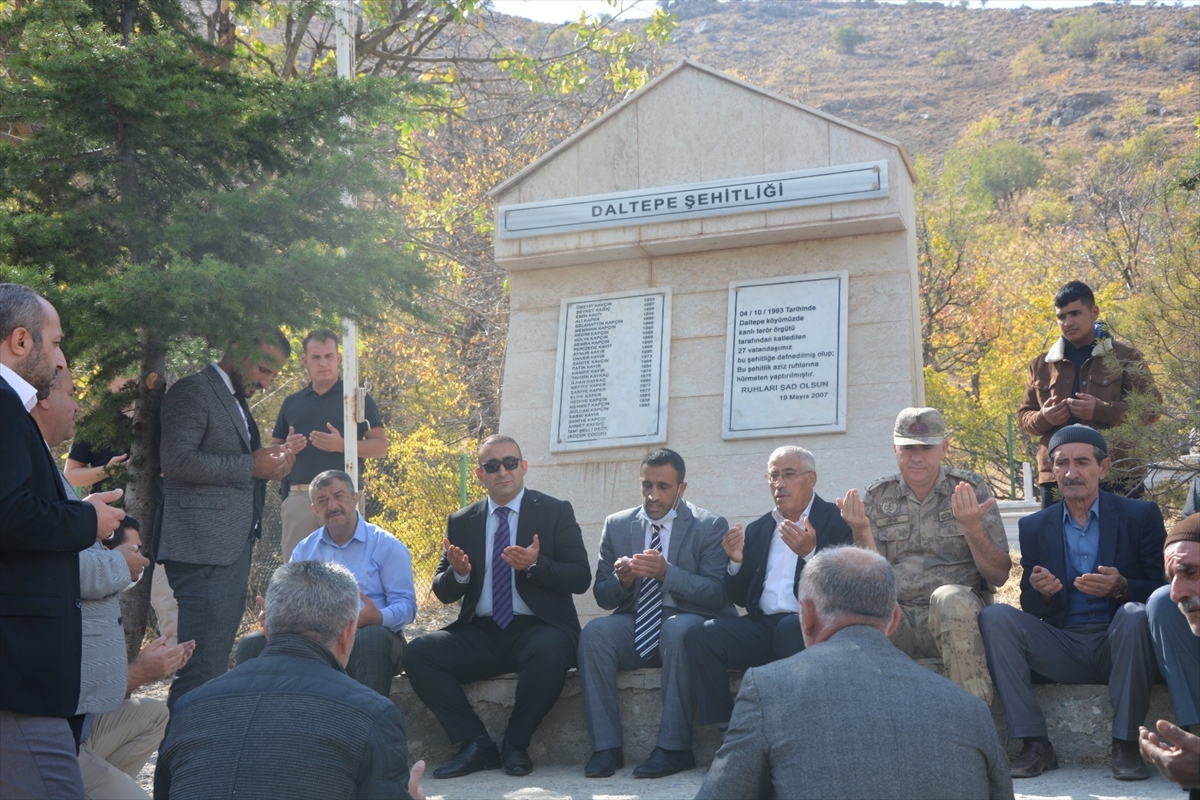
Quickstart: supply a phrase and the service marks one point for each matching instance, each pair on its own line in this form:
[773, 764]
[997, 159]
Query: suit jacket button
[78, 603]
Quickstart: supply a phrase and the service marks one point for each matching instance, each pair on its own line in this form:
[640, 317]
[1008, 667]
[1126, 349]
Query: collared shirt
[484, 607]
[22, 387]
[664, 538]
[232, 391]
[1082, 544]
[380, 563]
[778, 595]
[308, 410]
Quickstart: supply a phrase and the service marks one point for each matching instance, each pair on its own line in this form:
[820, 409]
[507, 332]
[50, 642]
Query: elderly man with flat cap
[1174, 614]
[940, 530]
[1090, 562]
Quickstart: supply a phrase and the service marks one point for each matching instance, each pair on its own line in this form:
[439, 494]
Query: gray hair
[315, 599]
[327, 477]
[807, 460]
[849, 581]
[21, 307]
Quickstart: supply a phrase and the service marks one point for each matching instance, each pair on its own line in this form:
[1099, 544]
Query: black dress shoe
[1127, 763]
[662, 763]
[604, 763]
[1034, 759]
[476, 754]
[516, 760]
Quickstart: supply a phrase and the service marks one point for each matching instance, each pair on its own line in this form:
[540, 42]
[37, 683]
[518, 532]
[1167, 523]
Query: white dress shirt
[484, 607]
[22, 387]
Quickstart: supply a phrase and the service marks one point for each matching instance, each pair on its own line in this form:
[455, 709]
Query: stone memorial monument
[716, 269]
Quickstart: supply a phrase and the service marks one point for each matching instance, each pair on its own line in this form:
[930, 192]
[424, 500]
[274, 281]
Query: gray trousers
[1120, 655]
[1177, 650]
[606, 647]
[37, 757]
[374, 659]
[212, 602]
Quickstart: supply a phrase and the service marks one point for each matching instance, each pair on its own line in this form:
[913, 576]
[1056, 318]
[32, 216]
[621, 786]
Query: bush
[1080, 35]
[1002, 170]
[848, 37]
[1029, 64]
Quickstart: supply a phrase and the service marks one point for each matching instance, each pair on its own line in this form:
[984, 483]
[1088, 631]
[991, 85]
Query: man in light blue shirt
[383, 568]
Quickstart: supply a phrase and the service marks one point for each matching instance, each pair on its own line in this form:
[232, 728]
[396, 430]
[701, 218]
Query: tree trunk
[144, 490]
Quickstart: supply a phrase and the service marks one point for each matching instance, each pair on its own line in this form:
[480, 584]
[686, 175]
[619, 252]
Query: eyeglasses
[493, 466]
[787, 476]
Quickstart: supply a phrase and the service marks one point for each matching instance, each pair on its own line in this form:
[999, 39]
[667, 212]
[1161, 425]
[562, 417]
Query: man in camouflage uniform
[940, 530]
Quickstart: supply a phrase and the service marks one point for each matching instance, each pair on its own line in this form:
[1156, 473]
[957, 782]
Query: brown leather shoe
[1127, 763]
[1034, 759]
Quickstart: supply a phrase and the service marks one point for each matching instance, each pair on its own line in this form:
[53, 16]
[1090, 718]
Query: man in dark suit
[657, 599]
[514, 560]
[1089, 562]
[766, 560]
[291, 723]
[42, 532]
[901, 730]
[215, 471]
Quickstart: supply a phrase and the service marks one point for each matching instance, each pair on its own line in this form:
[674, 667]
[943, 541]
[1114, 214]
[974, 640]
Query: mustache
[1189, 604]
[1074, 481]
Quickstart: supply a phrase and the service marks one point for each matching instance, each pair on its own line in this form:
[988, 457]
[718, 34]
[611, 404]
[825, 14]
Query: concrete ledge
[1079, 718]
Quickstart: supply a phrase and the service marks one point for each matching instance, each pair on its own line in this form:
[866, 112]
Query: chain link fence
[409, 494]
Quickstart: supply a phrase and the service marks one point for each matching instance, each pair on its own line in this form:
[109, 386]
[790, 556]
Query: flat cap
[919, 426]
[1078, 433]
[1186, 530]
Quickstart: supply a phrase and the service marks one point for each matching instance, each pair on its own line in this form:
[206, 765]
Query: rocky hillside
[923, 72]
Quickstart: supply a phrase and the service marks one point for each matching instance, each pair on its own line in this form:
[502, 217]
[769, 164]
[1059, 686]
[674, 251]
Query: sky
[568, 10]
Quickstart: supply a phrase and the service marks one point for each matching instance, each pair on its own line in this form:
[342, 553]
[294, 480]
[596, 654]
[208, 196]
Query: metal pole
[462, 480]
[1012, 467]
[345, 69]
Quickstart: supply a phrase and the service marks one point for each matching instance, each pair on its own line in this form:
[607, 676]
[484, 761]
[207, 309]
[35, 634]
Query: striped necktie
[502, 600]
[648, 621]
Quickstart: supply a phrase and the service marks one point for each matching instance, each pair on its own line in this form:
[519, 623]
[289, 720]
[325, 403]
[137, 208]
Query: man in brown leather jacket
[1086, 377]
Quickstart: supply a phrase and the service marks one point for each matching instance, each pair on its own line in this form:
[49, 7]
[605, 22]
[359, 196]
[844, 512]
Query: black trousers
[439, 663]
[729, 643]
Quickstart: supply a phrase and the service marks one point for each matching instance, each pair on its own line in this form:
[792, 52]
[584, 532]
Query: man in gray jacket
[661, 567]
[215, 472]
[291, 723]
[852, 680]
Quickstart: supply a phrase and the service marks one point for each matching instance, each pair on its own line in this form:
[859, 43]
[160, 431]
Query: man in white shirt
[763, 574]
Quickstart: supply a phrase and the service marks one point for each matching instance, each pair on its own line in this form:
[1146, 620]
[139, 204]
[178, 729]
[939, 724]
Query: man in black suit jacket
[1089, 562]
[41, 534]
[525, 623]
[763, 576]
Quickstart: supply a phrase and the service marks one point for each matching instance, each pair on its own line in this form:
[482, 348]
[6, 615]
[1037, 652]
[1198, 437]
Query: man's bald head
[55, 415]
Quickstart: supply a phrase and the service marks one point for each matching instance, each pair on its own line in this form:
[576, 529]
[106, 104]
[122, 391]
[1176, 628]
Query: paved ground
[1070, 782]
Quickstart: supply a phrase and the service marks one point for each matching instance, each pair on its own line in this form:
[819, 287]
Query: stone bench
[1079, 718]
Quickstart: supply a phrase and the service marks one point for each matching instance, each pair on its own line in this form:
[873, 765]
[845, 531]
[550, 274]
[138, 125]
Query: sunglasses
[493, 466]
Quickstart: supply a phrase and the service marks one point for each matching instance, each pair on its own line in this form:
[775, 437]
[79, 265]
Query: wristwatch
[1121, 589]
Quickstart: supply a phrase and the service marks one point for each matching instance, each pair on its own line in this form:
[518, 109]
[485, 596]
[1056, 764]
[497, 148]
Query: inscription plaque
[785, 365]
[610, 385]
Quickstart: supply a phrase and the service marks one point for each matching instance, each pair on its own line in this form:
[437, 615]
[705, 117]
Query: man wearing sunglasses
[514, 560]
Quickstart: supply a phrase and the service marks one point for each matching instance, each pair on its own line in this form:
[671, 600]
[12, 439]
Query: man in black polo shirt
[316, 413]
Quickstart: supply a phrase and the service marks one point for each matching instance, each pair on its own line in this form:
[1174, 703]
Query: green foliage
[1080, 35]
[848, 36]
[163, 194]
[1003, 170]
[1027, 65]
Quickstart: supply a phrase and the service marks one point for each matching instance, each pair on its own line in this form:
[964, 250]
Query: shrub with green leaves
[848, 36]
[1082, 34]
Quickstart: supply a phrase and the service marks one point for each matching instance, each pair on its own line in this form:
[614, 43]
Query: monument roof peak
[667, 77]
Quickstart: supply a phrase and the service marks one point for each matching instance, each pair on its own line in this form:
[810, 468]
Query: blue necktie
[502, 604]
[648, 621]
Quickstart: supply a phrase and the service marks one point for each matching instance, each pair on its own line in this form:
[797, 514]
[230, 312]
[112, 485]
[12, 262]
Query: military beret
[1078, 433]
